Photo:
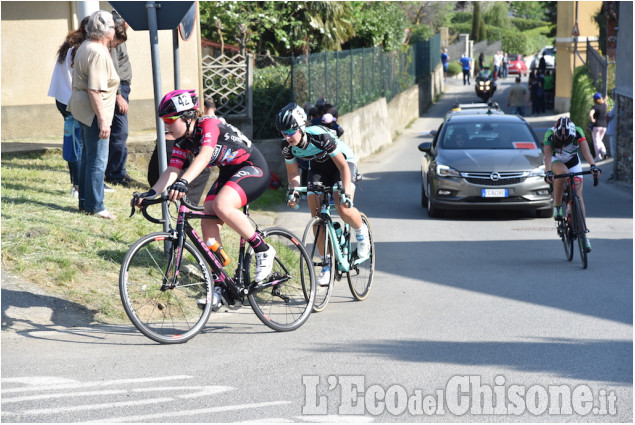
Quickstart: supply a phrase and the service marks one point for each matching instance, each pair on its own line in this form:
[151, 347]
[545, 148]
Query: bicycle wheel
[317, 228]
[360, 276]
[286, 304]
[163, 308]
[580, 229]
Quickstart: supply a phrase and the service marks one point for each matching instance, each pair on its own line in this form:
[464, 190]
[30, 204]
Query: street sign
[186, 27]
[169, 13]
[576, 31]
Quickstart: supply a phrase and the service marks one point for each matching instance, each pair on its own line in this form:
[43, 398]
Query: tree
[498, 15]
[476, 21]
[377, 24]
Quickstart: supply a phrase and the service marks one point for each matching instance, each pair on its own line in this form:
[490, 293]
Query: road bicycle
[170, 285]
[572, 226]
[329, 242]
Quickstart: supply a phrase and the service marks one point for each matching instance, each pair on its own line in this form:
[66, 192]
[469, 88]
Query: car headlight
[538, 172]
[445, 171]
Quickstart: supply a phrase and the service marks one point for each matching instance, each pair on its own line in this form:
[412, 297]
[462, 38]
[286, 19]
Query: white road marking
[190, 412]
[77, 384]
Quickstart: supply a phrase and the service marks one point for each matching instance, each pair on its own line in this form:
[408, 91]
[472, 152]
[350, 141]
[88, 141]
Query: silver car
[484, 161]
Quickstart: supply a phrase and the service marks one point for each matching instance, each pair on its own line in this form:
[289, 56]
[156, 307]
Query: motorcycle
[485, 85]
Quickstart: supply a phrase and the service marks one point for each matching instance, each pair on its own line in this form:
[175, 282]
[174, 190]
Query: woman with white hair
[92, 103]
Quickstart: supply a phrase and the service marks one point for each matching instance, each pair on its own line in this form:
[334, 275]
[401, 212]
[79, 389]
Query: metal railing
[597, 67]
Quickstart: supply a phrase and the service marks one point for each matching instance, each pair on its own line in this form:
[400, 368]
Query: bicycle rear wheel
[580, 230]
[166, 309]
[315, 229]
[360, 276]
[286, 299]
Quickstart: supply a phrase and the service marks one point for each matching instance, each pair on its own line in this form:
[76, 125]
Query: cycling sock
[258, 243]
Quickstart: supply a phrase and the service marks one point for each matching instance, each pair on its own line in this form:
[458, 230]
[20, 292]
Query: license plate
[495, 193]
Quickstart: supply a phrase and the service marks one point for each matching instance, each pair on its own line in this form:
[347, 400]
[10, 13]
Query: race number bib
[183, 102]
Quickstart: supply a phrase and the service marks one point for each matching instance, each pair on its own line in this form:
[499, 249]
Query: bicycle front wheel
[360, 275]
[317, 231]
[580, 229]
[167, 305]
[565, 234]
[286, 299]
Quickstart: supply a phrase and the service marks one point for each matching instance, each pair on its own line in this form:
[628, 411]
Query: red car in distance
[516, 65]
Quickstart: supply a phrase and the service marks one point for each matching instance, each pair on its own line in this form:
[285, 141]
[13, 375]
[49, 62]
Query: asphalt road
[474, 317]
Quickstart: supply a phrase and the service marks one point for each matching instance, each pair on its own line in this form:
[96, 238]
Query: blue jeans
[518, 110]
[73, 166]
[118, 150]
[92, 168]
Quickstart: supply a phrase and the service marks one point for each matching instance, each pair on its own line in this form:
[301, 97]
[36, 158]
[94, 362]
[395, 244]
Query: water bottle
[218, 249]
[338, 231]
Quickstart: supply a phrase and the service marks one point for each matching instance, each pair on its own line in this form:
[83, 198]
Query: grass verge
[46, 241]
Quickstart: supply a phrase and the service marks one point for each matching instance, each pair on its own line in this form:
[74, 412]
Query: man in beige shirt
[518, 97]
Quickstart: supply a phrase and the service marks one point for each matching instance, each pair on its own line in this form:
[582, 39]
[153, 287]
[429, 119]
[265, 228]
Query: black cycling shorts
[249, 179]
[327, 172]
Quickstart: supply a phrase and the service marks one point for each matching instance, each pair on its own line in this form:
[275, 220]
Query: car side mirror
[425, 147]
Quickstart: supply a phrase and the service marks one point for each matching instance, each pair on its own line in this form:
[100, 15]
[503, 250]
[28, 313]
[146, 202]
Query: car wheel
[424, 198]
[433, 211]
[544, 213]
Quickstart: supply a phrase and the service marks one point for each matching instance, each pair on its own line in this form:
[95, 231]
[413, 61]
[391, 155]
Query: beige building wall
[32, 32]
[566, 59]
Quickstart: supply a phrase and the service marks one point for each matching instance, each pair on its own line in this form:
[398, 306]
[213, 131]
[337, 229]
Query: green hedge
[582, 91]
[526, 24]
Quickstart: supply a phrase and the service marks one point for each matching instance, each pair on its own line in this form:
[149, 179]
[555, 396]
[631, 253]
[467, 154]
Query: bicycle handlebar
[320, 188]
[571, 175]
[163, 198]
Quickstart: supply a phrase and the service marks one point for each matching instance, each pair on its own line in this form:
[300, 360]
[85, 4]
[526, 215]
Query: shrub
[582, 90]
[454, 68]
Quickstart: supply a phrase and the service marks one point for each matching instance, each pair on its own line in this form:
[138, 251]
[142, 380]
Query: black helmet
[290, 117]
[563, 131]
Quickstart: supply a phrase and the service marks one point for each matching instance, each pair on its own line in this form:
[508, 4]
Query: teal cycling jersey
[321, 145]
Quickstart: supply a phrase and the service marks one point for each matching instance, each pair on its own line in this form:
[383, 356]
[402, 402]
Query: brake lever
[133, 202]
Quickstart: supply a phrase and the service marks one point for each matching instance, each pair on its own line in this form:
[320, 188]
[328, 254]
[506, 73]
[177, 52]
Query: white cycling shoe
[325, 276]
[264, 263]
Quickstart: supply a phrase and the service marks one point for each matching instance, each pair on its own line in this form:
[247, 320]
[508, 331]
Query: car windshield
[549, 52]
[488, 135]
[515, 57]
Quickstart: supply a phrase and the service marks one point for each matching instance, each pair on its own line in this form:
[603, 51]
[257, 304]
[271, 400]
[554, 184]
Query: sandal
[105, 214]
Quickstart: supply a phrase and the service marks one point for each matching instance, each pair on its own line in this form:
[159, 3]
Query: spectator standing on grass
[517, 98]
[92, 103]
[466, 66]
[118, 150]
[62, 86]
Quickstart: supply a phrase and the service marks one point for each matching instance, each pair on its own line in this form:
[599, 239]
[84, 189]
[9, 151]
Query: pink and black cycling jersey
[231, 147]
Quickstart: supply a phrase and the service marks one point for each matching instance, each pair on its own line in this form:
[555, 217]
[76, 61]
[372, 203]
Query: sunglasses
[170, 120]
[289, 132]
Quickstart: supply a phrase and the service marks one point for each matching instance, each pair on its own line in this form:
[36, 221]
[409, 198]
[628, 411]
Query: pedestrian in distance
[243, 172]
[92, 103]
[518, 98]
[466, 66]
[598, 117]
[445, 60]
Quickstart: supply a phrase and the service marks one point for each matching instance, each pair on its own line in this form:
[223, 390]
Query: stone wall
[366, 130]
[624, 143]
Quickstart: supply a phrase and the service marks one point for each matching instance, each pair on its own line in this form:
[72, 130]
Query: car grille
[495, 179]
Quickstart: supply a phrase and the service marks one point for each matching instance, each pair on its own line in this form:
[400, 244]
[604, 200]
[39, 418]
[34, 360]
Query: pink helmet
[178, 102]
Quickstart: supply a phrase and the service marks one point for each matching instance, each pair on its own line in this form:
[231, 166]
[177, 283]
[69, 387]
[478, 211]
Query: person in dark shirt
[598, 116]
